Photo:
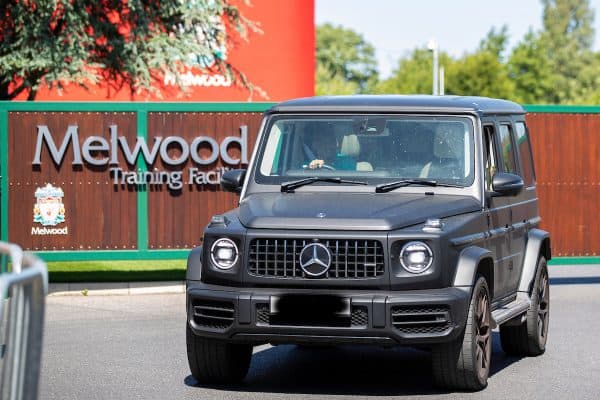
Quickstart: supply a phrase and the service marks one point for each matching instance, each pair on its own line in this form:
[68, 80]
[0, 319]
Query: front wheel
[465, 363]
[216, 361]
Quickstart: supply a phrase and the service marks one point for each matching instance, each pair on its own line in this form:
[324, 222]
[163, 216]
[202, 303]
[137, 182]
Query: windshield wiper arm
[386, 187]
[290, 186]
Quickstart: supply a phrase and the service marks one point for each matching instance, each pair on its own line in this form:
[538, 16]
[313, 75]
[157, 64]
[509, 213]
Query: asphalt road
[133, 347]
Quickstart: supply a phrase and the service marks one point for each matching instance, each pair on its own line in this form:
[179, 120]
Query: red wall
[280, 60]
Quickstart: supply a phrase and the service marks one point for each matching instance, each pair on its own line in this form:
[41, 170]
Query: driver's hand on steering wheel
[314, 164]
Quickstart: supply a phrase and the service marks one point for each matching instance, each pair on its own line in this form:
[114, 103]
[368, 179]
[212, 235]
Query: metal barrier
[22, 294]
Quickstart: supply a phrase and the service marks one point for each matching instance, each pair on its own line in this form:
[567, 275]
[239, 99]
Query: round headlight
[416, 257]
[224, 253]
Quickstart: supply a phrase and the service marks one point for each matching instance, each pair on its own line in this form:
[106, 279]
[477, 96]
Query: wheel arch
[538, 244]
[193, 271]
[474, 260]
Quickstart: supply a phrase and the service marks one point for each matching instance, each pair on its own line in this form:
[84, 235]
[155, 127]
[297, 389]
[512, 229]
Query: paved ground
[124, 347]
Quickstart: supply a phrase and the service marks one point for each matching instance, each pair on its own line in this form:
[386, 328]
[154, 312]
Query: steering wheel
[324, 166]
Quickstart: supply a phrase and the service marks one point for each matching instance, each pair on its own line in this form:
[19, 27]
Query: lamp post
[432, 46]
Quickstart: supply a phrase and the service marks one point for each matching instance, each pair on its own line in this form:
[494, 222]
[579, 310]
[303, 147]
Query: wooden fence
[108, 218]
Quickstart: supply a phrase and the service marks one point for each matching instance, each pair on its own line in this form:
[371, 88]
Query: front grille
[262, 314]
[421, 320]
[358, 318]
[350, 259]
[213, 314]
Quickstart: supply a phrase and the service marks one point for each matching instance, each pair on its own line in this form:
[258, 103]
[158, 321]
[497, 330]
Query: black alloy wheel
[483, 335]
[543, 312]
[529, 337]
[464, 364]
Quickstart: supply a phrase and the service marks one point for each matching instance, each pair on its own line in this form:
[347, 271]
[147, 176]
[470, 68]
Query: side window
[506, 145]
[524, 148]
[490, 155]
[271, 158]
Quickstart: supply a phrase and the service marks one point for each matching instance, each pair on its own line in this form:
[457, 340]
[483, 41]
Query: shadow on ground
[356, 370]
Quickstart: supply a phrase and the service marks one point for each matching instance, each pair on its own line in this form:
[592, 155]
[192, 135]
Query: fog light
[224, 253]
[416, 257]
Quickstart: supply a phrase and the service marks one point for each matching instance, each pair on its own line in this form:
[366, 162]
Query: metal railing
[22, 299]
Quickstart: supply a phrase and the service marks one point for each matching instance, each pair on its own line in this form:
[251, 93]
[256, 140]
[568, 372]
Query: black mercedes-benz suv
[385, 220]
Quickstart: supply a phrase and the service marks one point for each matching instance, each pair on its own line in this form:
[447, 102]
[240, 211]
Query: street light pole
[433, 47]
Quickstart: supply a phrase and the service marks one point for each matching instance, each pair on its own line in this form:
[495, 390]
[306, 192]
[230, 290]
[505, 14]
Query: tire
[530, 337]
[464, 364]
[216, 361]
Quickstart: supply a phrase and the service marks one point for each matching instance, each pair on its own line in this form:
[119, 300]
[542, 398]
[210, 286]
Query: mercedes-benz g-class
[384, 220]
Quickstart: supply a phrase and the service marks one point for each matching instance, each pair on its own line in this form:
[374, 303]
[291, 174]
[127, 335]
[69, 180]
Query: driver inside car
[322, 151]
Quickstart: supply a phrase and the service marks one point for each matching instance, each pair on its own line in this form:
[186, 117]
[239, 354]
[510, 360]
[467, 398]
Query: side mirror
[233, 180]
[504, 184]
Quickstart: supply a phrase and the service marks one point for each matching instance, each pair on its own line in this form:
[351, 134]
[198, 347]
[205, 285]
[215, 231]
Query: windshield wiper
[290, 186]
[386, 187]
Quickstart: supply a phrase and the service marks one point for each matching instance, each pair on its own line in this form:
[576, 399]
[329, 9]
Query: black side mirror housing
[505, 184]
[233, 180]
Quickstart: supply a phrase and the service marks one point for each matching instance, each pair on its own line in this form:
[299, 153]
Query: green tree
[567, 38]
[589, 80]
[131, 43]
[531, 71]
[345, 61]
[413, 74]
[479, 74]
[495, 42]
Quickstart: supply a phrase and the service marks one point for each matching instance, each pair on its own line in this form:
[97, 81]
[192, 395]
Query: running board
[511, 310]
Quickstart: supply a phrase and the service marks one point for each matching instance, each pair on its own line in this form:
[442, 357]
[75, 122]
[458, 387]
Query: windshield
[372, 148]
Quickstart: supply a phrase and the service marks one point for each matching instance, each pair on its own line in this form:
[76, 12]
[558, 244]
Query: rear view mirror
[505, 184]
[232, 181]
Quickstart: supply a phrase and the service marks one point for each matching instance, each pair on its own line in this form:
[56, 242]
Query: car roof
[399, 103]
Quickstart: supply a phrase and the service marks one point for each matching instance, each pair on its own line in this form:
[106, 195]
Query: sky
[395, 27]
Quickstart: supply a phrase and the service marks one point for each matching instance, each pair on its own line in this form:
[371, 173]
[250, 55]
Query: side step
[511, 310]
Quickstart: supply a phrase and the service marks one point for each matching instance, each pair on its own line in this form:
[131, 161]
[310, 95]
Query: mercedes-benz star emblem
[315, 259]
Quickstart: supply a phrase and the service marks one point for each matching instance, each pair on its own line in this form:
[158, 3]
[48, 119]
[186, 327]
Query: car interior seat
[448, 148]
[351, 148]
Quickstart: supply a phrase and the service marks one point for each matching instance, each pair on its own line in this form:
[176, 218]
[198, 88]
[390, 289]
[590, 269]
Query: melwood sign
[98, 151]
[137, 177]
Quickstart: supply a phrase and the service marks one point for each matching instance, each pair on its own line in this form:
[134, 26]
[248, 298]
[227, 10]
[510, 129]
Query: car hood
[348, 211]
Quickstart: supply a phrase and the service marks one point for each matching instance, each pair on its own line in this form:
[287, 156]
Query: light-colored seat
[364, 166]
[351, 148]
[448, 148]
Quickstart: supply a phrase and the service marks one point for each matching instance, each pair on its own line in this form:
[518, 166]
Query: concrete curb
[115, 288]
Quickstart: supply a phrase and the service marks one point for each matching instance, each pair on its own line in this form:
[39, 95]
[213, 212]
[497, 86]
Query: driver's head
[322, 141]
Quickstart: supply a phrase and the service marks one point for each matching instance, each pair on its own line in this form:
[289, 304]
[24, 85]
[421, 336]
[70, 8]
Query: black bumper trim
[379, 329]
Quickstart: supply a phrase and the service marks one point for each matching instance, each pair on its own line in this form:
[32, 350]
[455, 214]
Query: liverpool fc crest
[49, 208]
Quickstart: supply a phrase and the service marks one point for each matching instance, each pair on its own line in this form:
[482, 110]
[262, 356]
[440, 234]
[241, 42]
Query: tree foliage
[130, 43]
[553, 65]
[413, 74]
[345, 61]
[567, 38]
[531, 71]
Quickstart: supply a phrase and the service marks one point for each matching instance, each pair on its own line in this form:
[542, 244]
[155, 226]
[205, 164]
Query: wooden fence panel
[566, 150]
[177, 218]
[97, 216]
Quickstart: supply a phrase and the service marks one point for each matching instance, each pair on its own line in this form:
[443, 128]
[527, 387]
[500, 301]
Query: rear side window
[506, 145]
[524, 148]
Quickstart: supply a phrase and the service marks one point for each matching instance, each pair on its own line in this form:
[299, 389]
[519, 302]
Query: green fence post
[4, 182]
[142, 190]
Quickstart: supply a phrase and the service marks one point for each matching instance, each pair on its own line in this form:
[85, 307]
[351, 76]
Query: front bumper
[418, 317]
